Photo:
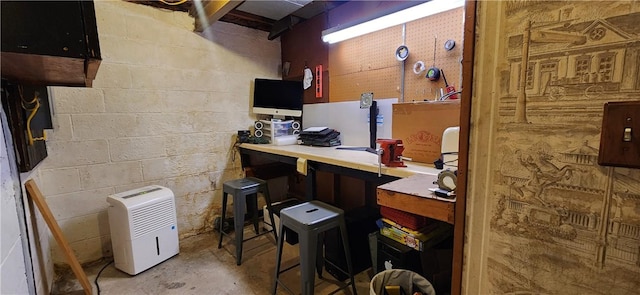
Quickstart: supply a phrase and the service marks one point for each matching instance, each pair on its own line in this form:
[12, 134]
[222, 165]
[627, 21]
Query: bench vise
[391, 152]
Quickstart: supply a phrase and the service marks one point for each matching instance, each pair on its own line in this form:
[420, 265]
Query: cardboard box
[420, 126]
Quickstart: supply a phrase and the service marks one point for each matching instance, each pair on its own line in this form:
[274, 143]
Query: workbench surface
[359, 160]
[412, 195]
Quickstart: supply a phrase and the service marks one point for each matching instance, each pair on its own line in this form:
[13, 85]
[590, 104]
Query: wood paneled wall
[302, 47]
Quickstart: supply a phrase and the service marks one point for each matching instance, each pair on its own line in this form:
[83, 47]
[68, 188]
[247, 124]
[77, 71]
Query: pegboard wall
[368, 63]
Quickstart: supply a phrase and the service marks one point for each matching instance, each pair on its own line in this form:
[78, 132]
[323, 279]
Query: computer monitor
[278, 98]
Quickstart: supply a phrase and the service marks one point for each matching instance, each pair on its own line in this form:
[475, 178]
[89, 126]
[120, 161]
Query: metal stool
[310, 220]
[245, 198]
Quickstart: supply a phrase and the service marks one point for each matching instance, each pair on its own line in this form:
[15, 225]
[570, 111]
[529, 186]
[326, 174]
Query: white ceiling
[273, 9]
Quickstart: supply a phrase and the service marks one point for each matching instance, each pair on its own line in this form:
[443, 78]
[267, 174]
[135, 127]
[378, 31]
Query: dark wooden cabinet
[44, 43]
[51, 43]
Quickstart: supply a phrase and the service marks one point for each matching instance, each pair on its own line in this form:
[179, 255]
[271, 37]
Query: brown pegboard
[350, 86]
[368, 63]
[420, 40]
[363, 64]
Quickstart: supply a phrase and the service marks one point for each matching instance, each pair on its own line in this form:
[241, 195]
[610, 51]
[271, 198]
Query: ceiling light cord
[173, 3]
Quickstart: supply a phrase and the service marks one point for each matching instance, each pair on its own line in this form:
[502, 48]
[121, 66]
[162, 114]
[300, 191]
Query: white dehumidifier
[144, 229]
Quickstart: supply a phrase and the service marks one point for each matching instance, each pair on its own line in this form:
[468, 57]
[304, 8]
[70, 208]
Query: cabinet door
[49, 42]
[47, 28]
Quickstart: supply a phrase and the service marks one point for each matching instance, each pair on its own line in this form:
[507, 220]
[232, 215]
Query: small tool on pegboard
[451, 91]
[433, 73]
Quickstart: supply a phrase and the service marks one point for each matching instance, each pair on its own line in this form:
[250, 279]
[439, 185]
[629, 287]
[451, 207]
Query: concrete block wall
[163, 109]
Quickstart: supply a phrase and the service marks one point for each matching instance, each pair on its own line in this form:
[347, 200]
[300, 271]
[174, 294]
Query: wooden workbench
[402, 188]
[351, 163]
[358, 160]
[412, 195]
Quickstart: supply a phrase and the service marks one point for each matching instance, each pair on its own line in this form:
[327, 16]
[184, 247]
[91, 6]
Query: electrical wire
[33, 111]
[98, 276]
[235, 152]
[29, 132]
[446, 96]
[450, 161]
[235, 148]
[173, 3]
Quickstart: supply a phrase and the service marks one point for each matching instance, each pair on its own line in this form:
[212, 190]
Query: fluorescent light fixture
[341, 33]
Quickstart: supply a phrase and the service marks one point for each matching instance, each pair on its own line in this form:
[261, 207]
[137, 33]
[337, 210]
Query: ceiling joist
[248, 20]
[257, 14]
[214, 10]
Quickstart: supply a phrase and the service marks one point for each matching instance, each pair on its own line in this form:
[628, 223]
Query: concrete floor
[202, 268]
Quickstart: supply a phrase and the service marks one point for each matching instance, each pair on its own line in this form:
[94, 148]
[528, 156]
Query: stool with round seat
[310, 220]
[245, 198]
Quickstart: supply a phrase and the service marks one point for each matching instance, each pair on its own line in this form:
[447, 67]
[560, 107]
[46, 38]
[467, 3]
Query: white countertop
[360, 160]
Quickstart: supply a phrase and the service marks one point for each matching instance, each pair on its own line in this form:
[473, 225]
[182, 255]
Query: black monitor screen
[278, 94]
